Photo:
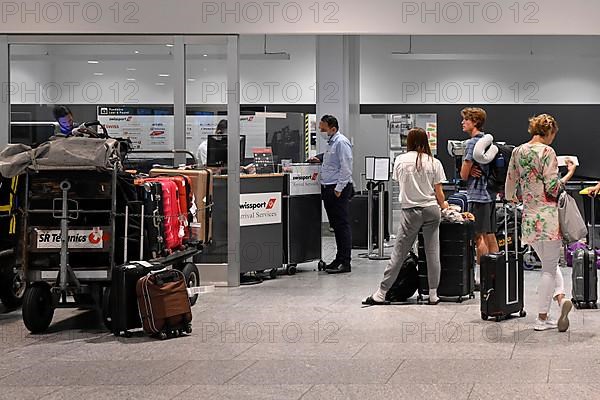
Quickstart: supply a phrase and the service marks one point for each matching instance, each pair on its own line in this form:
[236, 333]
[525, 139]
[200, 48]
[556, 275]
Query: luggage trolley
[88, 208]
[68, 240]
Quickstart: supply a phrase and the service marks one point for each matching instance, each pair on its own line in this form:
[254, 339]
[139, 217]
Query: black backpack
[406, 283]
[498, 168]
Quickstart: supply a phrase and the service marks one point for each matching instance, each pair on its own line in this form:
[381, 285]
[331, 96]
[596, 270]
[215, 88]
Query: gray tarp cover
[63, 153]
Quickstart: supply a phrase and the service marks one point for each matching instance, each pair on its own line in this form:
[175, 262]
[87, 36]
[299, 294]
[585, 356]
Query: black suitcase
[154, 231]
[359, 216]
[121, 312]
[585, 273]
[457, 257]
[502, 280]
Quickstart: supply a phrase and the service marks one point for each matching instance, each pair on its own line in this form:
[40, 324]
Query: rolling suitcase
[585, 273]
[171, 214]
[121, 312]
[502, 280]
[457, 275]
[185, 197]
[202, 188]
[151, 197]
[164, 303]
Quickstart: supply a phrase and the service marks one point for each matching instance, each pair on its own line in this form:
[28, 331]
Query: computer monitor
[31, 133]
[216, 154]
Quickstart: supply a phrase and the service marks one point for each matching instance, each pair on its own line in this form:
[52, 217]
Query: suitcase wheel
[522, 314]
[459, 300]
[484, 316]
[592, 305]
[291, 269]
[163, 336]
[321, 265]
[188, 329]
[273, 273]
[471, 296]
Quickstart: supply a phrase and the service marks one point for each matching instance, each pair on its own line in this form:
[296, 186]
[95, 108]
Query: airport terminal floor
[308, 337]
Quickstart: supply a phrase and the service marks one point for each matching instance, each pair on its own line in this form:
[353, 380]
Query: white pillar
[4, 92]
[338, 83]
[179, 101]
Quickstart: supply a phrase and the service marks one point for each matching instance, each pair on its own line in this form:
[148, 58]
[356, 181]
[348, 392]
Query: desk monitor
[216, 153]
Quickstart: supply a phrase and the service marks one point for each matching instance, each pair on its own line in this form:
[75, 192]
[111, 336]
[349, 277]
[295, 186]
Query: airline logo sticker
[260, 209]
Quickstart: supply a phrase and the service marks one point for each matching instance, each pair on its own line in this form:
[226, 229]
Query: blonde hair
[477, 115]
[542, 125]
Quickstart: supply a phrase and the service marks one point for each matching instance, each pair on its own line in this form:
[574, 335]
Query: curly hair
[477, 115]
[542, 125]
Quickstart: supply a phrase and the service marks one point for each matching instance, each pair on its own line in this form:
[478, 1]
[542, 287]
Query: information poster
[156, 132]
[431, 130]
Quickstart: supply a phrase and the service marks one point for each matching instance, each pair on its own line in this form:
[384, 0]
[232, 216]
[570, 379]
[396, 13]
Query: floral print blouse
[533, 179]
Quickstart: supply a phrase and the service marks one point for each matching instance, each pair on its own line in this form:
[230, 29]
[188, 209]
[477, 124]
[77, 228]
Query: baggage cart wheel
[321, 265]
[291, 269]
[273, 273]
[192, 279]
[37, 308]
[522, 314]
[484, 316]
[12, 288]
[106, 309]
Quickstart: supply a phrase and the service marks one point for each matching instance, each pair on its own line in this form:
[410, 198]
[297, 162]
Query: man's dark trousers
[338, 212]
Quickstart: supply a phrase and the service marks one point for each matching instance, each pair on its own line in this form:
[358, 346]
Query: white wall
[262, 81]
[561, 70]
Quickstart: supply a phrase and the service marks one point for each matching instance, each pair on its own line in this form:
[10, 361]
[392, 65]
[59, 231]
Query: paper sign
[562, 160]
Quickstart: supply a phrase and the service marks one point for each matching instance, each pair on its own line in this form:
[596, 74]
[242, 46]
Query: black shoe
[340, 269]
[333, 265]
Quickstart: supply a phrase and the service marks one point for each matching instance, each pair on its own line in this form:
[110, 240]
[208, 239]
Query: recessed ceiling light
[204, 55]
[98, 74]
[191, 79]
[131, 79]
[93, 62]
[169, 45]
[131, 69]
[160, 84]
[164, 75]
[136, 52]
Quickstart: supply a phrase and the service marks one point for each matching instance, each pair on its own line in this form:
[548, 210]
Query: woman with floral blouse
[533, 179]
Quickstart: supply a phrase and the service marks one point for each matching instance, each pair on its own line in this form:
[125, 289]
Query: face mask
[324, 135]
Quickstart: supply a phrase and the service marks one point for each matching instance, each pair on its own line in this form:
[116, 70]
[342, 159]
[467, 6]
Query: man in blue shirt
[482, 203]
[337, 190]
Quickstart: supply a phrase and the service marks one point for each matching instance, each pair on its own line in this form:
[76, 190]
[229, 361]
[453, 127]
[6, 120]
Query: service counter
[280, 223]
[261, 223]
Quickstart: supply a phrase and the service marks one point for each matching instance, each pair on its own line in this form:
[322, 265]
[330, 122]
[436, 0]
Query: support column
[233, 162]
[179, 102]
[4, 92]
[338, 83]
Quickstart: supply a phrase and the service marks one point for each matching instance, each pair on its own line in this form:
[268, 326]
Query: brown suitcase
[164, 303]
[202, 186]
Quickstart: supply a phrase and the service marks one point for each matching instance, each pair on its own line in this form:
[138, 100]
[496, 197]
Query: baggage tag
[200, 290]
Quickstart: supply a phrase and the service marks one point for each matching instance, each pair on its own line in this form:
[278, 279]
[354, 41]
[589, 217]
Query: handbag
[572, 224]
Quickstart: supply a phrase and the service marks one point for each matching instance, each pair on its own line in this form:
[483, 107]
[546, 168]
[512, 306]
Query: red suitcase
[185, 193]
[172, 214]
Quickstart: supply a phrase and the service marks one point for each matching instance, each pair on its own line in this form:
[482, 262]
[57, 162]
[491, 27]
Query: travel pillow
[485, 151]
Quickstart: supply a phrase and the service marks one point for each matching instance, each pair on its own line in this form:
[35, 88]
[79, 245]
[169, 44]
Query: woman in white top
[420, 178]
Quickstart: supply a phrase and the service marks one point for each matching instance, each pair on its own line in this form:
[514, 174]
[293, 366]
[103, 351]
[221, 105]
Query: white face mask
[324, 135]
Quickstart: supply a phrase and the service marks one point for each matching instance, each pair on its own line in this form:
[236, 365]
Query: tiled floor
[308, 337]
